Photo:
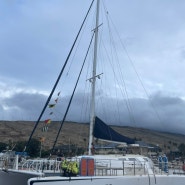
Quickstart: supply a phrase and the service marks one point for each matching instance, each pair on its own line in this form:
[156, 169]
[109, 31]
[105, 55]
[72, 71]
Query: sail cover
[105, 132]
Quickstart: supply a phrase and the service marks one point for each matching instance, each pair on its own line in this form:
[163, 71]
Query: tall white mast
[92, 114]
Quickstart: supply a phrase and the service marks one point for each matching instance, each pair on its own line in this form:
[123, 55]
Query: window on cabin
[132, 159]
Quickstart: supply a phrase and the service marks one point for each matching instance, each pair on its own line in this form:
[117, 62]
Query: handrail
[102, 166]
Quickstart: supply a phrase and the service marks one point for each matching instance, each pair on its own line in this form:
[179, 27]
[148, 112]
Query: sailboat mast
[92, 108]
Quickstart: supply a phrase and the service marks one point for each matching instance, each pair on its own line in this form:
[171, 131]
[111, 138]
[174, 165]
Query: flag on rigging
[47, 121]
[42, 139]
[51, 105]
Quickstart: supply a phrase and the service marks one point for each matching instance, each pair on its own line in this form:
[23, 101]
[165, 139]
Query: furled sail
[105, 132]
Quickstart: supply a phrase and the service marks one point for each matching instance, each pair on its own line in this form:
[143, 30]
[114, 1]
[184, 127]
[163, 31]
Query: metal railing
[116, 167]
[102, 167]
[41, 165]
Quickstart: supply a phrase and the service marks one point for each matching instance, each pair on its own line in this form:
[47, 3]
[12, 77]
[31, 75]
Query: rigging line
[62, 122]
[85, 103]
[85, 99]
[104, 112]
[56, 83]
[101, 86]
[76, 50]
[128, 104]
[112, 41]
[111, 38]
[105, 77]
[125, 92]
[139, 78]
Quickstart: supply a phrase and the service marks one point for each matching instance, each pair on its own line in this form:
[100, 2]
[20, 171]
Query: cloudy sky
[36, 37]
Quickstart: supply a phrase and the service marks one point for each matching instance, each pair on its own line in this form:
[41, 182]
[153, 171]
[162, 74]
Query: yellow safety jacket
[75, 168]
[64, 164]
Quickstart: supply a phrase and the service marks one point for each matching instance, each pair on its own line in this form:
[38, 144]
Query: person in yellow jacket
[75, 168]
[72, 168]
[69, 166]
[64, 166]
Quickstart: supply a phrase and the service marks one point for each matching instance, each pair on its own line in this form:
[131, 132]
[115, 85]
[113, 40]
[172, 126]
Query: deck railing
[115, 167]
[102, 167]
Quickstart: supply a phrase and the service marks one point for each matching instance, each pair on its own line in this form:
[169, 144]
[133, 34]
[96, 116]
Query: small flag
[47, 121]
[51, 105]
[42, 139]
[58, 93]
[56, 100]
[50, 113]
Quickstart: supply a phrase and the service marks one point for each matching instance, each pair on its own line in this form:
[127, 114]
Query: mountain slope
[77, 133]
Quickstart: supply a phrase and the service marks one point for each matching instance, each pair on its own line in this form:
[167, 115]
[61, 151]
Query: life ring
[183, 167]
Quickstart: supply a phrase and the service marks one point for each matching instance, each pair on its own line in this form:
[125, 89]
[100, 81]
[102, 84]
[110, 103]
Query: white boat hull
[111, 180]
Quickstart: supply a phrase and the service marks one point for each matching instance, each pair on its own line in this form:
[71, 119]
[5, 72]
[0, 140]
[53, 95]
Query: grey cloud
[162, 113]
[23, 106]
